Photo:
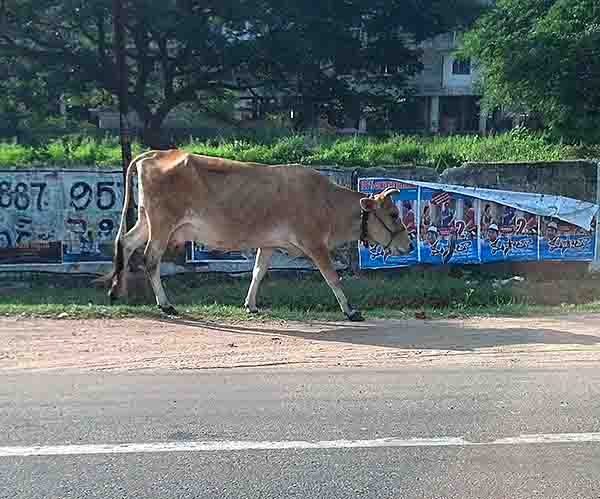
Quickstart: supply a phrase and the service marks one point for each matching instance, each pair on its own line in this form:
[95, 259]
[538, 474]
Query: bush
[12, 154]
[438, 152]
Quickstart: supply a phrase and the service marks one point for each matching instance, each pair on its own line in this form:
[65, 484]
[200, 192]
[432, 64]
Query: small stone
[62, 315]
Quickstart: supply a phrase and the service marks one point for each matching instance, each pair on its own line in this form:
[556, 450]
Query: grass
[305, 298]
[437, 152]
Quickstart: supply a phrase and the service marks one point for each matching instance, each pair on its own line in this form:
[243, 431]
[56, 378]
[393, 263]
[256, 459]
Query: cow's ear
[368, 204]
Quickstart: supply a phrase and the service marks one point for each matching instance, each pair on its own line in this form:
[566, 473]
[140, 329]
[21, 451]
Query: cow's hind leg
[152, 258]
[261, 265]
[323, 262]
[131, 241]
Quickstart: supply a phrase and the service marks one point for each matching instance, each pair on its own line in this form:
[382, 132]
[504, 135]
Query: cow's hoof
[169, 310]
[252, 311]
[355, 316]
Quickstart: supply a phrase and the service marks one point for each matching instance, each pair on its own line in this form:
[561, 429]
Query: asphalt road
[248, 416]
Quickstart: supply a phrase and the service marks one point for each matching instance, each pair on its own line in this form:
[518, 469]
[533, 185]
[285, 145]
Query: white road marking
[216, 446]
[553, 438]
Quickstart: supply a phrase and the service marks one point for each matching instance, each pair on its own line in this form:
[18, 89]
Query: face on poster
[562, 241]
[507, 234]
[448, 232]
[374, 255]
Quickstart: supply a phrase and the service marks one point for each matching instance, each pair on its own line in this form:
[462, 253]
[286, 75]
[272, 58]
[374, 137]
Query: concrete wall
[436, 78]
[576, 179]
[76, 207]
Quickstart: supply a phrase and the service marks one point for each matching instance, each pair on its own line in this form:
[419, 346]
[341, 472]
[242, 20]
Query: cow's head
[382, 223]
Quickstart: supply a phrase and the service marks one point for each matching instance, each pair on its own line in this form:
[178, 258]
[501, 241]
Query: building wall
[437, 79]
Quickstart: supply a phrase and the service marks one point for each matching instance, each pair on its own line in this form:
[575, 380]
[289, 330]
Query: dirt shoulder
[41, 344]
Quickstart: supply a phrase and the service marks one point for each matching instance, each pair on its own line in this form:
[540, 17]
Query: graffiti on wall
[91, 216]
[69, 216]
[56, 216]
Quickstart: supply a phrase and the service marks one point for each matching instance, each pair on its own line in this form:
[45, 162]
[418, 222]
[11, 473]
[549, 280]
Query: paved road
[258, 411]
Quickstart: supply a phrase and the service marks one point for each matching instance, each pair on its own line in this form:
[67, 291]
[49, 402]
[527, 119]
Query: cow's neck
[347, 213]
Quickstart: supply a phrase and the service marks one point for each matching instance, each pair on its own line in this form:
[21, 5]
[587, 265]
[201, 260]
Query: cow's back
[240, 204]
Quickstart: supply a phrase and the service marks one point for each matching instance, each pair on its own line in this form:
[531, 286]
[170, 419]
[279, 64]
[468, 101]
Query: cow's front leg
[323, 262]
[261, 265]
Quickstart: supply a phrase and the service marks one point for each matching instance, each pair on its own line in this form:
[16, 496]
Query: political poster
[448, 231]
[465, 225]
[373, 255]
[563, 241]
[507, 234]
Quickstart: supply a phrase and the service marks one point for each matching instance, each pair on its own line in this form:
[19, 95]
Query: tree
[32, 95]
[184, 51]
[178, 50]
[25, 94]
[542, 56]
[347, 54]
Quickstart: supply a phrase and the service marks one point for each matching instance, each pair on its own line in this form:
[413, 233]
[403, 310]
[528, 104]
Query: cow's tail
[118, 249]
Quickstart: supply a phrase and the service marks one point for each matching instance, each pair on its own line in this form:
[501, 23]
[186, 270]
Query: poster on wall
[563, 241]
[508, 234]
[30, 231]
[448, 228]
[373, 255]
[200, 253]
[469, 225]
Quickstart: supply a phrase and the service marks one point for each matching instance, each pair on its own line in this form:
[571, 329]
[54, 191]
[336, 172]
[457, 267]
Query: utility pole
[123, 94]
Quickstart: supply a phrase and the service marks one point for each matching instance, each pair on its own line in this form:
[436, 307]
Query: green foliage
[187, 51]
[437, 152]
[543, 57]
[67, 151]
[12, 154]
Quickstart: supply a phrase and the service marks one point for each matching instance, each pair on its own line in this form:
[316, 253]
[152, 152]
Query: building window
[461, 67]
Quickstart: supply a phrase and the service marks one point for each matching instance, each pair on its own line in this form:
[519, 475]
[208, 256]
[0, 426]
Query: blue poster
[448, 228]
[456, 228]
[374, 256]
[566, 242]
[507, 234]
[199, 253]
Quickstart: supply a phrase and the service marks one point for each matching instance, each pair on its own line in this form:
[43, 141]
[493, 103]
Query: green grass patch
[437, 152]
[302, 298]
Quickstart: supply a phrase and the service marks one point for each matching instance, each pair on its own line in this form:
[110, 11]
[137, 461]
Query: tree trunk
[152, 133]
[309, 112]
[306, 116]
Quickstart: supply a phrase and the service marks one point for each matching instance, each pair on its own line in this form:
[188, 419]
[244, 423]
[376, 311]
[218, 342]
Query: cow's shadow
[411, 334]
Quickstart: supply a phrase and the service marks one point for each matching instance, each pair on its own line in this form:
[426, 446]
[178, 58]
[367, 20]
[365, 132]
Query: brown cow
[231, 205]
